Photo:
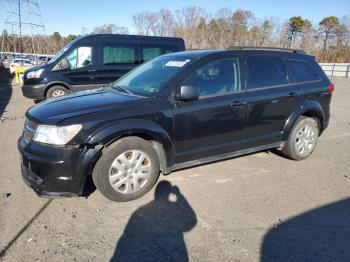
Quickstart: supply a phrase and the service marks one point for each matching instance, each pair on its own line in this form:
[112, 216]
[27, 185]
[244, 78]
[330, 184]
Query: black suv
[175, 111]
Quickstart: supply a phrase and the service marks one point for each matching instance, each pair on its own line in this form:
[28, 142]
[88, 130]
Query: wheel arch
[56, 83]
[309, 108]
[144, 129]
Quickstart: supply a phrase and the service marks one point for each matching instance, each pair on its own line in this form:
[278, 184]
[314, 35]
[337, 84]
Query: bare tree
[146, 23]
[266, 32]
[240, 26]
[186, 23]
[110, 29]
[166, 22]
[84, 30]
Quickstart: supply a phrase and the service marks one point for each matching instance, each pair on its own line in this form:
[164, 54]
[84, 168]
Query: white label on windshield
[177, 63]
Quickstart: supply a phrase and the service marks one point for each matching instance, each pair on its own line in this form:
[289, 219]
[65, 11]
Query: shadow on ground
[5, 89]
[155, 231]
[24, 229]
[322, 234]
[89, 187]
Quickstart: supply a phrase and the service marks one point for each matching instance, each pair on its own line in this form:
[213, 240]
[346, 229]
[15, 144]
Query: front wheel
[302, 139]
[127, 170]
[56, 91]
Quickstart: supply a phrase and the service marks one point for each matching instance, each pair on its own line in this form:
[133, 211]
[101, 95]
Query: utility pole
[24, 29]
[20, 27]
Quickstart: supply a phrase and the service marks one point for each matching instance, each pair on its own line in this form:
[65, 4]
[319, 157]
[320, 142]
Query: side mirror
[187, 93]
[62, 65]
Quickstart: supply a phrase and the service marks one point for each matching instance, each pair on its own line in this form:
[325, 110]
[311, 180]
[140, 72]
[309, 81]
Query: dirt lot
[260, 207]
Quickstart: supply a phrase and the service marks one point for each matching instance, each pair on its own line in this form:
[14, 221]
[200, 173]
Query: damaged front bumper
[56, 171]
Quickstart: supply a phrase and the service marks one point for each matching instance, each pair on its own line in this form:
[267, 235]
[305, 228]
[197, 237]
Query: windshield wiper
[121, 89]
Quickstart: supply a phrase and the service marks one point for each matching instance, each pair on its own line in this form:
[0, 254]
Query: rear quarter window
[148, 53]
[170, 49]
[301, 71]
[265, 72]
[113, 54]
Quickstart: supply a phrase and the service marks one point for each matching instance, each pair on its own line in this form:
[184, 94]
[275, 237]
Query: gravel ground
[260, 207]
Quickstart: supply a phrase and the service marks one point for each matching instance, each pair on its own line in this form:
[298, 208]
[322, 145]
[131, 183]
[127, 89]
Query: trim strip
[284, 85]
[221, 157]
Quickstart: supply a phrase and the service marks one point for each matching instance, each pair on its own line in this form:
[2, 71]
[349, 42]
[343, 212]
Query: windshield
[63, 50]
[149, 78]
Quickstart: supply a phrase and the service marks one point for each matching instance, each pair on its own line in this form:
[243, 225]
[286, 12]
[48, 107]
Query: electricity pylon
[24, 28]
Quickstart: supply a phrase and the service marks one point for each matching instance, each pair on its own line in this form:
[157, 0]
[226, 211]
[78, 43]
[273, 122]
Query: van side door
[79, 71]
[116, 58]
[271, 99]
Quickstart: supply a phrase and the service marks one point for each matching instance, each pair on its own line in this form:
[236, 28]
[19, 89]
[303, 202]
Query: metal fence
[336, 69]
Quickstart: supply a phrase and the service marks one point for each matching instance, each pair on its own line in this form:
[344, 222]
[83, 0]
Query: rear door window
[265, 72]
[301, 71]
[118, 54]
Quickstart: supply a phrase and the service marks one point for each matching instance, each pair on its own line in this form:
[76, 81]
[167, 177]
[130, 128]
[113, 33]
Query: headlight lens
[35, 74]
[56, 135]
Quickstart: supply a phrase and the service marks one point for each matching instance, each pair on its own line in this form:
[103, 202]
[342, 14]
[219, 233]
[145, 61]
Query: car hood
[55, 110]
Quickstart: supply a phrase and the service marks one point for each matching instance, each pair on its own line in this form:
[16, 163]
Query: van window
[264, 72]
[301, 71]
[170, 49]
[148, 53]
[118, 55]
[216, 77]
[79, 57]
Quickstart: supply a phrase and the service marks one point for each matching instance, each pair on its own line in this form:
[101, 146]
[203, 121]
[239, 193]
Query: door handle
[91, 70]
[237, 103]
[292, 94]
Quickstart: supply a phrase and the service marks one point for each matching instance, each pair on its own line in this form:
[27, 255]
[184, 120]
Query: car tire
[56, 91]
[302, 139]
[127, 169]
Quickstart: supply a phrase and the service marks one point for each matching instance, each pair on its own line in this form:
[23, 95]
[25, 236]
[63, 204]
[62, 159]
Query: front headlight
[35, 74]
[56, 135]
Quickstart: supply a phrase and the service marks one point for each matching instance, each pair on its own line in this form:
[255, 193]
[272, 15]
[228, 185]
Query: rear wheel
[302, 139]
[127, 170]
[56, 91]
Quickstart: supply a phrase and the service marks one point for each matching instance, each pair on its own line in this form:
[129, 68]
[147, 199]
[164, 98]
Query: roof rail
[266, 48]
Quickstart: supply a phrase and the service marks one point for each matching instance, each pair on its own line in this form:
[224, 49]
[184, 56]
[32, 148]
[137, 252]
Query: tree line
[328, 40]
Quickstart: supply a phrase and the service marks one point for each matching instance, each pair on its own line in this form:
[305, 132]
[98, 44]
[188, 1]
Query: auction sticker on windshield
[177, 63]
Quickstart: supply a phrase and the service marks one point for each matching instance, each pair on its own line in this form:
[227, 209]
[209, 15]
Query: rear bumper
[36, 92]
[55, 172]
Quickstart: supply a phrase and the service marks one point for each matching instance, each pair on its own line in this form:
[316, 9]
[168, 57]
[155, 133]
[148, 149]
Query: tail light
[331, 88]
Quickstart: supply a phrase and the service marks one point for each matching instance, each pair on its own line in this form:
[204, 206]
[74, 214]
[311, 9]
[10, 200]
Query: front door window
[79, 57]
[217, 77]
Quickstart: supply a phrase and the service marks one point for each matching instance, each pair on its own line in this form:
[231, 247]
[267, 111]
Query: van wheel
[56, 91]
[127, 170]
[302, 139]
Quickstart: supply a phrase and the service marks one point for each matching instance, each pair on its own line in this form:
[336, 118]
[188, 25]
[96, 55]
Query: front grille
[29, 130]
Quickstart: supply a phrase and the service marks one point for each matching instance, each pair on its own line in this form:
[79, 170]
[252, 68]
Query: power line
[24, 28]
